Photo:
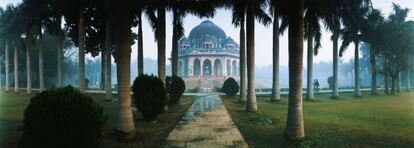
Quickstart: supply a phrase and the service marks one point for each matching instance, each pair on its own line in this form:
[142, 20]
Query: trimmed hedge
[62, 117]
[230, 87]
[149, 96]
[175, 88]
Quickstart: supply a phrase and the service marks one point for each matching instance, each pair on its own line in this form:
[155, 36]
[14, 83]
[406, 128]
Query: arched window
[207, 67]
[197, 69]
[234, 67]
[228, 68]
[180, 69]
[218, 68]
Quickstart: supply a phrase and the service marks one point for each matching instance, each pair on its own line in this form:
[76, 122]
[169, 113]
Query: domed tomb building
[208, 54]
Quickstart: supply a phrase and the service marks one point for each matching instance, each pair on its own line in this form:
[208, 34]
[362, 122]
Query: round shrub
[149, 96]
[230, 87]
[175, 88]
[62, 117]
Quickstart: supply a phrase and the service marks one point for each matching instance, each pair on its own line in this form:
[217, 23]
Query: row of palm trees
[104, 26]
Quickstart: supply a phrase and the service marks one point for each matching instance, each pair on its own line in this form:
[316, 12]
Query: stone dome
[207, 28]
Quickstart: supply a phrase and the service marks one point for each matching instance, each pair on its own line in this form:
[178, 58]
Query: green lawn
[382, 121]
[150, 134]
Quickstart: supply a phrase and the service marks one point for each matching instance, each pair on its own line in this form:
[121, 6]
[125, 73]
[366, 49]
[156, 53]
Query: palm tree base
[124, 135]
[292, 140]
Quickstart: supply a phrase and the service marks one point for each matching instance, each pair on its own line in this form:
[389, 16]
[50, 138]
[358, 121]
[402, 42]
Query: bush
[230, 87]
[149, 96]
[175, 88]
[194, 90]
[62, 117]
[217, 88]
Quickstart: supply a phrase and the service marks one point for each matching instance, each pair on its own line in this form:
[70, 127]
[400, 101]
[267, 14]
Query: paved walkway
[206, 124]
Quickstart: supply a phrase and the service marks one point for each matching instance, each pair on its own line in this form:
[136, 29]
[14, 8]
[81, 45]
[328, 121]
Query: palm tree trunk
[399, 82]
[1, 80]
[41, 72]
[174, 52]
[294, 125]
[103, 61]
[108, 60]
[251, 94]
[161, 44]
[7, 68]
[123, 49]
[335, 65]
[140, 47]
[16, 70]
[386, 81]
[357, 79]
[82, 50]
[393, 80]
[28, 69]
[373, 73]
[408, 77]
[60, 60]
[276, 82]
[243, 90]
[309, 87]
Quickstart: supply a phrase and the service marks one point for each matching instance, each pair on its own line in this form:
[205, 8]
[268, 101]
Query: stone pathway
[206, 124]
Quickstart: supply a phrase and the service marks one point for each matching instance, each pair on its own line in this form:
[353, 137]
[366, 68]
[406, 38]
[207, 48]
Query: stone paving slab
[206, 124]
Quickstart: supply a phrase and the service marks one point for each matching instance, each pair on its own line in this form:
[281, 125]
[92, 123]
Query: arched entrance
[217, 68]
[197, 68]
[207, 67]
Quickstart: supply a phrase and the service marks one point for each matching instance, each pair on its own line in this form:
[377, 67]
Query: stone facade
[208, 54]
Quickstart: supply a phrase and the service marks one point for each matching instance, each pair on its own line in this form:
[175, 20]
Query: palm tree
[41, 63]
[7, 67]
[158, 25]
[108, 54]
[370, 32]
[123, 13]
[294, 10]
[335, 28]
[408, 73]
[140, 58]
[353, 20]
[9, 32]
[28, 67]
[312, 33]
[16, 68]
[274, 10]
[82, 47]
[253, 10]
[238, 8]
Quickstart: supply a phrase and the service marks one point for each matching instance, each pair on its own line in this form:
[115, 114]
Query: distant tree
[398, 44]
[370, 34]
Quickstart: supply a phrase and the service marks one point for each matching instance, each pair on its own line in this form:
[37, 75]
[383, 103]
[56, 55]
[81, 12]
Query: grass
[381, 121]
[148, 134]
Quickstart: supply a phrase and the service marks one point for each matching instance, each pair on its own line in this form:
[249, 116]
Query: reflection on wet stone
[207, 123]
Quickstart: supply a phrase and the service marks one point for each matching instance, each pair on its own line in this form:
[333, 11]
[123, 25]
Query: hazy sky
[263, 39]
